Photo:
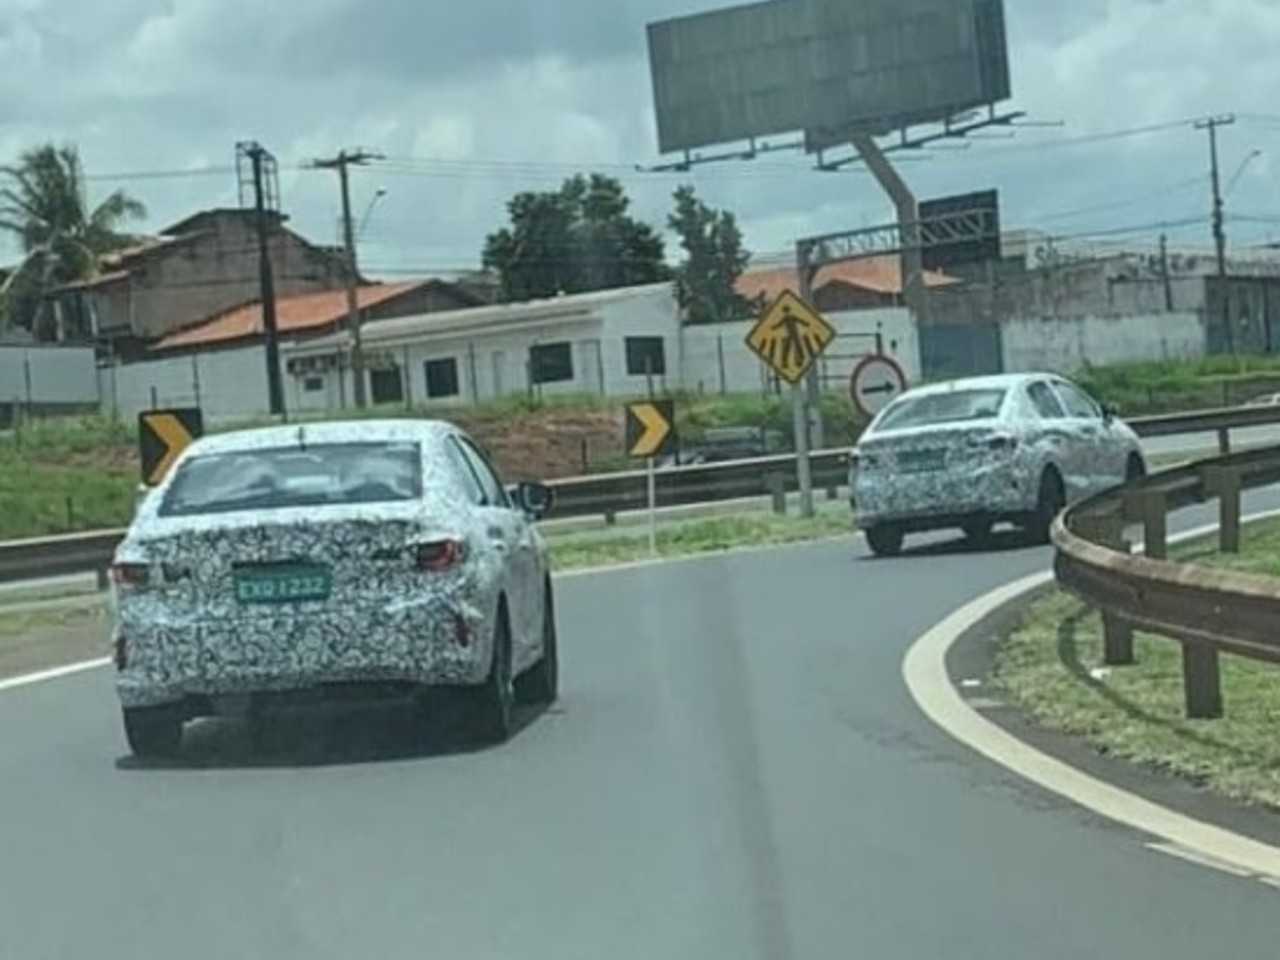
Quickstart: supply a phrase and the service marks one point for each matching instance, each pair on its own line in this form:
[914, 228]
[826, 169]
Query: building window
[646, 355]
[387, 386]
[442, 378]
[313, 384]
[551, 363]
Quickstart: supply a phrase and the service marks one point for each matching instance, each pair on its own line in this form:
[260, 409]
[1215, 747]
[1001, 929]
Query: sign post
[789, 338]
[651, 433]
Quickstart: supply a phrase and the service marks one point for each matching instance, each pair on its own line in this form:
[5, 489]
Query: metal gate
[960, 350]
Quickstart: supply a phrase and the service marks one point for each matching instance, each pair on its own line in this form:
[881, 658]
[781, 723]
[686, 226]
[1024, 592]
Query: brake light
[440, 555]
[131, 576]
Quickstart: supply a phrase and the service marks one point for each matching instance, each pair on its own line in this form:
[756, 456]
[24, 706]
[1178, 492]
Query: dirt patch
[550, 444]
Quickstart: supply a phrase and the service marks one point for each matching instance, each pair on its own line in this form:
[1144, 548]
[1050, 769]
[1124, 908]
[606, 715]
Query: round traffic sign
[877, 382]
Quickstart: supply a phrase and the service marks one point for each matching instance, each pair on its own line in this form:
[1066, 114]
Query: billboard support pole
[914, 293]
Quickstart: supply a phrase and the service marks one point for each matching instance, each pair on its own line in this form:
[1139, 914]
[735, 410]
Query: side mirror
[535, 499]
[1110, 411]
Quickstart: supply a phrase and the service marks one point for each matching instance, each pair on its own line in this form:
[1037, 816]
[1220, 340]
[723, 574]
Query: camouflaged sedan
[977, 452]
[331, 561]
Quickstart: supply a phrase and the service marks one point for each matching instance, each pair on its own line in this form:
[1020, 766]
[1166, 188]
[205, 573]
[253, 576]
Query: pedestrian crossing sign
[790, 337]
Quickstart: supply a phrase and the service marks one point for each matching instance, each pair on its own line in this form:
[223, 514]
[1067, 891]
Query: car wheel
[495, 698]
[978, 531]
[541, 683]
[1049, 504]
[153, 732]
[886, 540]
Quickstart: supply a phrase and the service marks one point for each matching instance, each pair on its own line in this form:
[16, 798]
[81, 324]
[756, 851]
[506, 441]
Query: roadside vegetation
[1153, 388]
[1051, 667]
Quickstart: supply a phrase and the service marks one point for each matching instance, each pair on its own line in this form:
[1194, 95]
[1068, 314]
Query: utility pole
[341, 162]
[1164, 273]
[264, 173]
[1219, 234]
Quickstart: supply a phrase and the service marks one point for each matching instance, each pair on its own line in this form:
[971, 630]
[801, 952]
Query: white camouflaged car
[331, 561]
[973, 453]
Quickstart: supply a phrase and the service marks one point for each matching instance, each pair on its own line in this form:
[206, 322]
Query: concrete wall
[226, 385]
[48, 377]
[1063, 345]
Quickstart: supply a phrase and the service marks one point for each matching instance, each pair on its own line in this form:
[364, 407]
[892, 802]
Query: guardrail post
[1225, 483]
[1148, 508]
[1224, 441]
[1107, 530]
[1201, 682]
[103, 581]
[777, 484]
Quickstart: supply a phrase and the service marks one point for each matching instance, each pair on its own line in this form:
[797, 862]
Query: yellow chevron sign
[651, 428]
[162, 436]
[790, 337]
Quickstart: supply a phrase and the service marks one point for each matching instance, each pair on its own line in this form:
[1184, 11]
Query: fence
[45, 380]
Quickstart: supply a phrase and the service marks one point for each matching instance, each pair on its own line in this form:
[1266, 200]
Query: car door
[1057, 439]
[524, 556]
[1102, 459]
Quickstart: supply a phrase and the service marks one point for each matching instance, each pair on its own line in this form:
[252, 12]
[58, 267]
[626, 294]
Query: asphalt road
[736, 771]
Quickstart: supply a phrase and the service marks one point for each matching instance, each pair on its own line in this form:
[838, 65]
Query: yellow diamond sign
[790, 336]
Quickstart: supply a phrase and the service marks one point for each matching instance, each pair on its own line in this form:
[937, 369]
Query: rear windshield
[935, 408]
[321, 475]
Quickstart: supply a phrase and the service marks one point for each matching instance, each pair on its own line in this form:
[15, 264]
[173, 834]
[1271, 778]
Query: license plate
[283, 584]
[919, 461]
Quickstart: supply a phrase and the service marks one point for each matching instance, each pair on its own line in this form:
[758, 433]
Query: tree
[715, 259]
[43, 205]
[574, 240]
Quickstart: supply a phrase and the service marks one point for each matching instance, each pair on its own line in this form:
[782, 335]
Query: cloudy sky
[477, 100]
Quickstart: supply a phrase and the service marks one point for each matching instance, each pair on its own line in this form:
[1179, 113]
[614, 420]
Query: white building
[611, 343]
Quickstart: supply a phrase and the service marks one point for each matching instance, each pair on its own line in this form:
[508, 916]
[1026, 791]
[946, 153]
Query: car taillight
[440, 555]
[131, 576]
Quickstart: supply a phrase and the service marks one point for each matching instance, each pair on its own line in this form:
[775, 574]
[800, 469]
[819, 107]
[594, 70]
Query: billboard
[824, 66]
[982, 243]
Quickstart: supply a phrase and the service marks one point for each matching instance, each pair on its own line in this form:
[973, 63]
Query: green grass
[1051, 666]
[39, 499]
[701, 537]
[1153, 388]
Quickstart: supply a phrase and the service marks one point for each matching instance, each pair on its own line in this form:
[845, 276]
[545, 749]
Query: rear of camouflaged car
[277, 560]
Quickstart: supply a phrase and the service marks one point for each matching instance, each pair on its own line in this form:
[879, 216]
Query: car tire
[494, 701]
[978, 531]
[1049, 503]
[153, 732]
[541, 683]
[886, 540]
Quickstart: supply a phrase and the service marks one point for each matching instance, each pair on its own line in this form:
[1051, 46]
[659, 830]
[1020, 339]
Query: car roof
[327, 432]
[1001, 381]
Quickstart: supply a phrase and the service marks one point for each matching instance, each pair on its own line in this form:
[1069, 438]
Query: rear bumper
[168, 660]
[935, 501]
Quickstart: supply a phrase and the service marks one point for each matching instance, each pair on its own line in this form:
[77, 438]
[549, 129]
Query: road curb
[925, 672]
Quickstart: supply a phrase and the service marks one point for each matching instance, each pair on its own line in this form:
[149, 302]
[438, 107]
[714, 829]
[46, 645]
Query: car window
[931, 409]
[1045, 402]
[1077, 402]
[320, 475]
[466, 473]
[494, 493]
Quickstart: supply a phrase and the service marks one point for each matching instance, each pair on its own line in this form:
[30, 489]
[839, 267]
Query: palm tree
[44, 206]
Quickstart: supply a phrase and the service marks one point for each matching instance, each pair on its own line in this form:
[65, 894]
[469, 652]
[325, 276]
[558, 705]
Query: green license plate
[283, 584]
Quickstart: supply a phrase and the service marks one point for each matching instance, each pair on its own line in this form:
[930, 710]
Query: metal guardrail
[610, 494]
[1208, 610]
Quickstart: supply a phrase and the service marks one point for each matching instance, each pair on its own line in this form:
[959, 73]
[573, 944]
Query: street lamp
[1235, 178]
[364, 220]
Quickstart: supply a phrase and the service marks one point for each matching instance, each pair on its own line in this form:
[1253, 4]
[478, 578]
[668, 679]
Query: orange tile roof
[881, 275]
[300, 314]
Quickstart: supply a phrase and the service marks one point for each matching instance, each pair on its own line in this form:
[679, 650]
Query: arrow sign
[651, 430]
[877, 382]
[162, 436]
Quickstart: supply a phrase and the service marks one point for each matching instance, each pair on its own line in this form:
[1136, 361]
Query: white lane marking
[57, 672]
[925, 673]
